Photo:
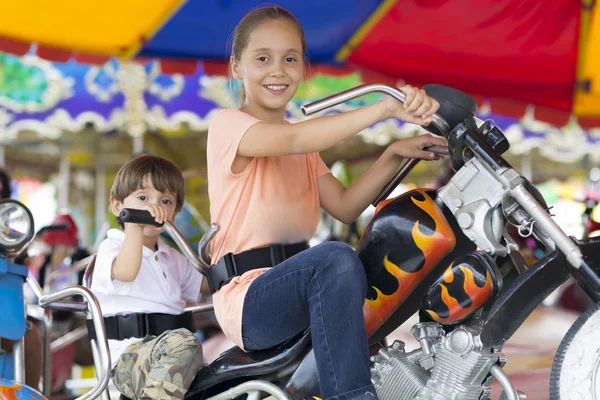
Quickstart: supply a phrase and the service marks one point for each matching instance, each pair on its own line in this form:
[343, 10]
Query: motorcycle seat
[239, 366]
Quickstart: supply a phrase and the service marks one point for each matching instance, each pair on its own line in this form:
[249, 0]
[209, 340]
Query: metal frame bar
[18, 353]
[203, 307]
[251, 388]
[99, 346]
[48, 321]
[67, 339]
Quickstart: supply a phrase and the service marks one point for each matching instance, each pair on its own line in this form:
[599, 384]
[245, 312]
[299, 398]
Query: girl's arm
[346, 204]
[265, 139]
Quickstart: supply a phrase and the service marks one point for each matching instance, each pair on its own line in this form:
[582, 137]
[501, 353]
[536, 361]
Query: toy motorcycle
[16, 230]
[447, 255]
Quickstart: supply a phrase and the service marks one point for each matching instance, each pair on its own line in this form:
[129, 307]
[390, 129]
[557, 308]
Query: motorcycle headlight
[16, 225]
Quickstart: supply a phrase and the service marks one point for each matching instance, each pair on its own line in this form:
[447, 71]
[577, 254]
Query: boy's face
[148, 195]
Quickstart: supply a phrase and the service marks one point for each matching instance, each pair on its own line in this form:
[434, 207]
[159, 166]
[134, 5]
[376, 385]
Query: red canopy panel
[524, 50]
[54, 54]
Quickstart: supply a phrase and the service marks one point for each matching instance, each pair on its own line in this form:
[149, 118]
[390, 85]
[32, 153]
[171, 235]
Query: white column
[2, 159]
[527, 166]
[138, 144]
[101, 198]
[63, 178]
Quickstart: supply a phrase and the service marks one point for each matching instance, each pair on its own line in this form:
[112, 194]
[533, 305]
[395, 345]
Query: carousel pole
[527, 166]
[2, 156]
[63, 178]
[133, 83]
[138, 144]
[100, 194]
[64, 167]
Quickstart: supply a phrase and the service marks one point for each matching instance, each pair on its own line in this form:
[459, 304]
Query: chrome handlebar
[202, 263]
[185, 248]
[438, 121]
[204, 241]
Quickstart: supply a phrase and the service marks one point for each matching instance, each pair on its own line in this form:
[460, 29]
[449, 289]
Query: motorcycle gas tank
[468, 283]
[404, 242]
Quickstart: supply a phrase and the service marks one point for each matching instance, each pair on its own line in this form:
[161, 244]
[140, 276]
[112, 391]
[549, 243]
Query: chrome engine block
[446, 367]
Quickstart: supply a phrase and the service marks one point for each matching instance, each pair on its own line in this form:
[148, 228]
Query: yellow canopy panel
[104, 27]
[587, 102]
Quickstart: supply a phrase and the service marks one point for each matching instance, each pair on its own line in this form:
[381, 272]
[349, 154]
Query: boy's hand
[159, 213]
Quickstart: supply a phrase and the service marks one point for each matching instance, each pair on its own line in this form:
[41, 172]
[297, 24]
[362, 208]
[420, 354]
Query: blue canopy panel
[202, 29]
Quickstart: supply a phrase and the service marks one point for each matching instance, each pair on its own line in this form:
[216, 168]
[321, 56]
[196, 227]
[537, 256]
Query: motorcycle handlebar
[438, 121]
[130, 215]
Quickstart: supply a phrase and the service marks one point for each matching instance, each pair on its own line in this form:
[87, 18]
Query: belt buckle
[230, 266]
[277, 253]
[216, 277]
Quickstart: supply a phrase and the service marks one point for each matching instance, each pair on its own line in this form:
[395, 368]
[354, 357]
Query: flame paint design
[10, 392]
[433, 247]
[477, 295]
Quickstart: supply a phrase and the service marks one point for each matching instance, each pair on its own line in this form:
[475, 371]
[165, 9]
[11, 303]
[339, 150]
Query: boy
[143, 286]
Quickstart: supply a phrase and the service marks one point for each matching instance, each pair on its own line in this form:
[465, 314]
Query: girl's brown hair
[255, 18]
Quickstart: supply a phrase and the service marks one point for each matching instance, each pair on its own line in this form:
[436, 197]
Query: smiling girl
[267, 184]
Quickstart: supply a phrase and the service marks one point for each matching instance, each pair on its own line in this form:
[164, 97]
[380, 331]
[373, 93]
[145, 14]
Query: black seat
[236, 366]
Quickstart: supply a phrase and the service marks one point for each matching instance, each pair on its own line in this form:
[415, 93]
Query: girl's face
[271, 67]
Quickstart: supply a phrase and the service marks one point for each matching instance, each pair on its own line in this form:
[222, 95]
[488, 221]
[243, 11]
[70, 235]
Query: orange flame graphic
[478, 296]
[434, 248]
[448, 276]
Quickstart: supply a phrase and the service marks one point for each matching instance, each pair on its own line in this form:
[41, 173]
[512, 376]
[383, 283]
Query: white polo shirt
[165, 283]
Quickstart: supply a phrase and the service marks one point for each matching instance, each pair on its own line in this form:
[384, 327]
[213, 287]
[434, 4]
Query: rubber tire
[578, 344]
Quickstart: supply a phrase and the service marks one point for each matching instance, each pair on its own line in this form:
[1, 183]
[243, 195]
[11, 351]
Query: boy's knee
[159, 367]
[180, 343]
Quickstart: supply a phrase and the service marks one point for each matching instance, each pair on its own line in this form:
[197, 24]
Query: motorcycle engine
[450, 366]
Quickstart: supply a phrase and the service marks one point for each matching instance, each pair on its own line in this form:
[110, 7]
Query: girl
[267, 183]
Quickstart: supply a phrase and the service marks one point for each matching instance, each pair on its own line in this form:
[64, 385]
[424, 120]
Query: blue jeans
[323, 287]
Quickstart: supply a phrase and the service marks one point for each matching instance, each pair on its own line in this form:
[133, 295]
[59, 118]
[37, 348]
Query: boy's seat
[237, 366]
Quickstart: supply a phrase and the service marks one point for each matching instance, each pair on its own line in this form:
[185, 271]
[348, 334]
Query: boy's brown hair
[165, 177]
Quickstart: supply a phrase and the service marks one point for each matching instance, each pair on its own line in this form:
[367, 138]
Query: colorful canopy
[545, 53]
[52, 99]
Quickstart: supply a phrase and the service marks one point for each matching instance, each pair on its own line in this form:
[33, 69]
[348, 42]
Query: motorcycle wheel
[576, 368]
